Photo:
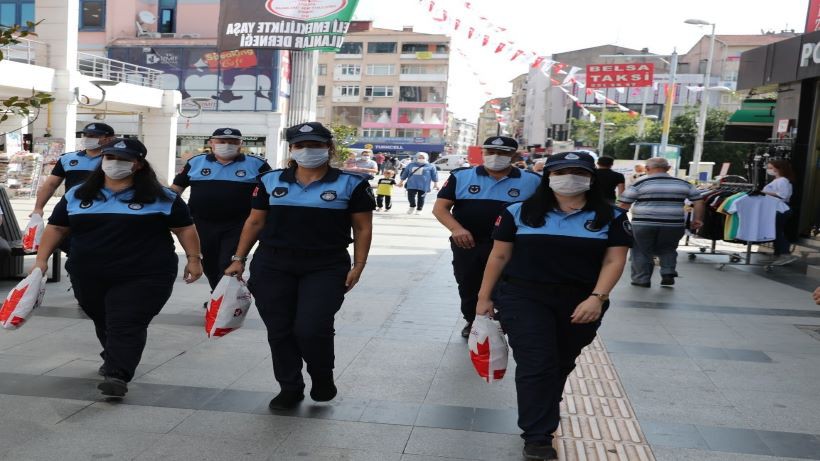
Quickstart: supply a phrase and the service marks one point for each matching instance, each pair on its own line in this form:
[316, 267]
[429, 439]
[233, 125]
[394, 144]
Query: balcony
[423, 77]
[339, 77]
[348, 56]
[425, 55]
[109, 69]
[346, 99]
[26, 52]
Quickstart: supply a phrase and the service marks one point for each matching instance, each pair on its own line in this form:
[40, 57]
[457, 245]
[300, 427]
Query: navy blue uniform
[220, 203]
[75, 167]
[552, 270]
[123, 264]
[478, 200]
[298, 272]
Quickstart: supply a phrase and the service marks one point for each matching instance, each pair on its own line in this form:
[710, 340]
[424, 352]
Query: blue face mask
[310, 157]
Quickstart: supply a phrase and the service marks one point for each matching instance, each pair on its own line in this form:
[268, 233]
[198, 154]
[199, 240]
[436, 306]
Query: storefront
[791, 68]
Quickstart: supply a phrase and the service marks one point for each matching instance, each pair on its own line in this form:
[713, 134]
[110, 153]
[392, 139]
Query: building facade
[391, 85]
[461, 134]
[518, 108]
[491, 120]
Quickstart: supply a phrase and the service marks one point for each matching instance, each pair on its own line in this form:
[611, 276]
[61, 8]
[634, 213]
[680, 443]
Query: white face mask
[421, 160]
[310, 157]
[91, 143]
[770, 171]
[117, 169]
[495, 162]
[226, 151]
[570, 184]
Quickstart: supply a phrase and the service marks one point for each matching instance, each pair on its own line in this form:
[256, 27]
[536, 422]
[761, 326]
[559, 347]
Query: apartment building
[391, 85]
[494, 119]
[518, 108]
[461, 134]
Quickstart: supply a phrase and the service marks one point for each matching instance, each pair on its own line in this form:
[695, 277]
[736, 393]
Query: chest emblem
[590, 226]
[241, 173]
[135, 206]
[85, 204]
[280, 192]
[205, 172]
[474, 189]
[328, 195]
[514, 192]
[74, 163]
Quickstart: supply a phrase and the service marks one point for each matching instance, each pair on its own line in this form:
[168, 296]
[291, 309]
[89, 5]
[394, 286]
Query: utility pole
[670, 101]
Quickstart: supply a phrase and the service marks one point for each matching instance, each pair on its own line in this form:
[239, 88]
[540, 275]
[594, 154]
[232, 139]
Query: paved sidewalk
[725, 366]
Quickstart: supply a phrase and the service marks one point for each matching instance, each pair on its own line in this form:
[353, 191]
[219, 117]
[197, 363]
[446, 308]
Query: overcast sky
[550, 26]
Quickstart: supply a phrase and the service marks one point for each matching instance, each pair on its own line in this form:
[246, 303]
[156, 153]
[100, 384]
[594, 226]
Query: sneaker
[411, 210]
[465, 332]
[113, 387]
[642, 284]
[323, 391]
[378, 209]
[541, 450]
[667, 280]
[286, 400]
[784, 260]
[101, 370]
[418, 211]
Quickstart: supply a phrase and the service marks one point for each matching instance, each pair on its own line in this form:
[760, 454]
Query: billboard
[302, 25]
[620, 75]
[813, 17]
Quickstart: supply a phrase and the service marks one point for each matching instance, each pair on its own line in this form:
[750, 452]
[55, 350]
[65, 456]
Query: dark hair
[785, 169]
[606, 161]
[331, 154]
[534, 210]
[147, 188]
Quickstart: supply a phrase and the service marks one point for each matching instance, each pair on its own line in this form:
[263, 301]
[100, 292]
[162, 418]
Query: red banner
[813, 18]
[620, 75]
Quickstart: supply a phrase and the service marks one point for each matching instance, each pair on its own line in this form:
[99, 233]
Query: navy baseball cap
[570, 160]
[227, 133]
[501, 143]
[126, 148]
[98, 129]
[311, 131]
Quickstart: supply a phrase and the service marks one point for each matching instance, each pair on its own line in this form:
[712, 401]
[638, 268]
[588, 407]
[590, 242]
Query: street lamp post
[601, 132]
[704, 101]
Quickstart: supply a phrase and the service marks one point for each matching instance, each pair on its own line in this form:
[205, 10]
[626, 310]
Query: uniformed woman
[123, 261]
[558, 256]
[302, 217]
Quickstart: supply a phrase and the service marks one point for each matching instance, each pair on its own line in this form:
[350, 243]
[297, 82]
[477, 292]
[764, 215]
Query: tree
[22, 107]
[344, 135]
[621, 131]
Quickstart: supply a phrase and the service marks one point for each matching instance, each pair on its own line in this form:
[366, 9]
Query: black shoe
[113, 387]
[101, 370]
[286, 400]
[323, 391]
[541, 450]
[642, 285]
[465, 332]
[205, 305]
[667, 281]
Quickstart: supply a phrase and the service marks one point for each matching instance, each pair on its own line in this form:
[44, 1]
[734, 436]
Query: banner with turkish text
[813, 17]
[620, 75]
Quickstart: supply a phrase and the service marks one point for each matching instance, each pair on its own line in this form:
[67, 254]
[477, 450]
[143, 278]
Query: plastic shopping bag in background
[33, 233]
[229, 305]
[23, 299]
[488, 348]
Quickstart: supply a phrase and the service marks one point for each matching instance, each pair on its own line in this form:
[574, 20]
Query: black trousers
[218, 240]
[468, 268]
[385, 200]
[121, 309]
[416, 194]
[298, 295]
[545, 345]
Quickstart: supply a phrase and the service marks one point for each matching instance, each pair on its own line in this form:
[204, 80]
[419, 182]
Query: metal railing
[26, 52]
[117, 71]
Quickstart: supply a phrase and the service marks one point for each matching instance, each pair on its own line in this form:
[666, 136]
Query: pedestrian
[379, 159]
[468, 206]
[558, 255]
[123, 261]
[638, 172]
[781, 188]
[384, 191]
[365, 164]
[658, 218]
[609, 180]
[417, 176]
[221, 186]
[538, 166]
[302, 217]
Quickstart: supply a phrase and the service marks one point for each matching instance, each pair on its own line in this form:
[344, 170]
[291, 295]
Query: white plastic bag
[488, 348]
[229, 305]
[33, 233]
[22, 300]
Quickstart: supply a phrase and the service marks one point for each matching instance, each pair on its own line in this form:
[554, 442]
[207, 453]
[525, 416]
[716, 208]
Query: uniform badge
[589, 225]
[280, 192]
[328, 195]
[135, 206]
[572, 157]
[306, 129]
[86, 204]
[74, 163]
[241, 173]
[205, 172]
[498, 142]
[514, 192]
[474, 189]
[227, 131]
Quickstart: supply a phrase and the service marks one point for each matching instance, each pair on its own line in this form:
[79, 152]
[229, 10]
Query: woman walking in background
[416, 178]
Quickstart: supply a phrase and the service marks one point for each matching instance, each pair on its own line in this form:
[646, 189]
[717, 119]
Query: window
[92, 14]
[409, 133]
[375, 133]
[408, 48]
[322, 69]
[422, 69]
[377, 115]
[350, 48]
[321, 91]
[167, 16]
[381, 47]
[421, 94]
[381, 69]
[16, 12]
[349, 69]
[348, 90]
[379, 91]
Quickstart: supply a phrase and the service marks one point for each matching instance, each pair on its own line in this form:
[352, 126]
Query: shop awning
[754, 113]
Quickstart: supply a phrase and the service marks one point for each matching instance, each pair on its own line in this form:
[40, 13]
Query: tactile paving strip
[597, 421]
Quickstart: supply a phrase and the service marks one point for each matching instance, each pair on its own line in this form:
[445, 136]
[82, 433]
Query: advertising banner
[813, 18]
[620, 75]
[301, 25]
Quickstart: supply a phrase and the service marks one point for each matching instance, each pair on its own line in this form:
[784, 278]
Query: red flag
[443, 16]
[555, 82]
[471, 32]
[516, 55]
[457, 24]
[500, 47]
[432, 5]
[538, 61]
[467, 5]
[485, 40]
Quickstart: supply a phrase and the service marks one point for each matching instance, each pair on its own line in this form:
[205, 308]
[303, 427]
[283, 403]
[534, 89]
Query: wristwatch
[602, 296]
[241, 259]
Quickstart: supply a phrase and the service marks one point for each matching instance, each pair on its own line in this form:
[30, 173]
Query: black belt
[304, 251]
[549, 287]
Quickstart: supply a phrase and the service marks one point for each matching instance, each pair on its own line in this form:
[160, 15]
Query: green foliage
[344, 135]
[622, 132]
[15, 105]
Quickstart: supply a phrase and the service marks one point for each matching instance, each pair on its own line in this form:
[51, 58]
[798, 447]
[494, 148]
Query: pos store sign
[620, 75]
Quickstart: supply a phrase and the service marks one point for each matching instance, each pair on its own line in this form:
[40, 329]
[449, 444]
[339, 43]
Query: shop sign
[809, 54]
[620, 75]
[813, 18]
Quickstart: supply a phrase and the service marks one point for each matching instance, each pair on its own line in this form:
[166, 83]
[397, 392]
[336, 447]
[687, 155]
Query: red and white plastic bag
[230, 302]
[22, 300]
[488, 348]
[33, 233]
